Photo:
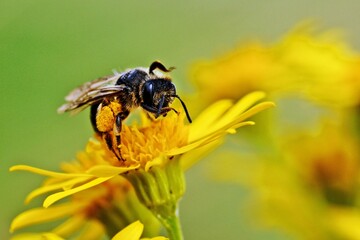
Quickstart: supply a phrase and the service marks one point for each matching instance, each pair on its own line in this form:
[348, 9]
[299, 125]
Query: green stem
[172, 226]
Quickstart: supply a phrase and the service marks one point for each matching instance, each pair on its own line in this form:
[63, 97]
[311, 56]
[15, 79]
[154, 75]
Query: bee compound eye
[148, 93]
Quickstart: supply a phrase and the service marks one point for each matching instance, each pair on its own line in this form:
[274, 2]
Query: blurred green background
[49, 47]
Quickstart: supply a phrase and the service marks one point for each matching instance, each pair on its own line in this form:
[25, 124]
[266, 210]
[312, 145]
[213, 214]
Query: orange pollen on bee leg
[105, 119]
[115, 107]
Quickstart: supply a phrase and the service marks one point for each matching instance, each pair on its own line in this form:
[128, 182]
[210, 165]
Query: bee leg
[148, 108]
[117, 130]
[108, 138]
[165, 110]
[161, 103]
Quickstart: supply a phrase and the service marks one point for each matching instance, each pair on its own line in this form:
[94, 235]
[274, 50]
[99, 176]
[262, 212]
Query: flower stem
[172, 226]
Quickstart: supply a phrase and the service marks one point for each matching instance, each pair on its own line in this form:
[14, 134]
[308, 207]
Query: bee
[112, 98]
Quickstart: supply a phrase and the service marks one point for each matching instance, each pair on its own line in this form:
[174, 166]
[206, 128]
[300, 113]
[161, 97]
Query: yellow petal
[39, 215]
[254, 110]
[46, 172]
[207, 117]
[206, 139]
[247, 101]
[72, 225]
[199, 149]
[201, 142]
[241, 106]
[60, 195]
[93, 230]
[190, 158]
[241, 124]
[237, 122]
[226, 121]
[109, 171]
[36, 236]
[61, 185]
[131, 232]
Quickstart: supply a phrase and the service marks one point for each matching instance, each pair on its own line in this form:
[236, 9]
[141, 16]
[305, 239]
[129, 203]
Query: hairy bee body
[113, 98]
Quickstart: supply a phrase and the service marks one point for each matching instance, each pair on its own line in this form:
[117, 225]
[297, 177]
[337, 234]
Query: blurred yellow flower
[234, 74]
[308, 187]
[156, 154]
[317, 66]
[328, 163]
[304, 167]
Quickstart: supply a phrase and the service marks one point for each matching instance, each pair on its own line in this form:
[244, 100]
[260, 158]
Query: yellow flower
[156, 154]
[303, 63]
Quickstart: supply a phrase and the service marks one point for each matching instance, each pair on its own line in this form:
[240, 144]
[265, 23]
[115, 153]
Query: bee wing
[90, 93]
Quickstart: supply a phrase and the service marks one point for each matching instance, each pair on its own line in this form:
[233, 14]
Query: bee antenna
[159, 65]
[184, 107]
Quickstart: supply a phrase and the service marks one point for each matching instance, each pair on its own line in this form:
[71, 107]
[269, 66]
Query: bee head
[157, 95]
